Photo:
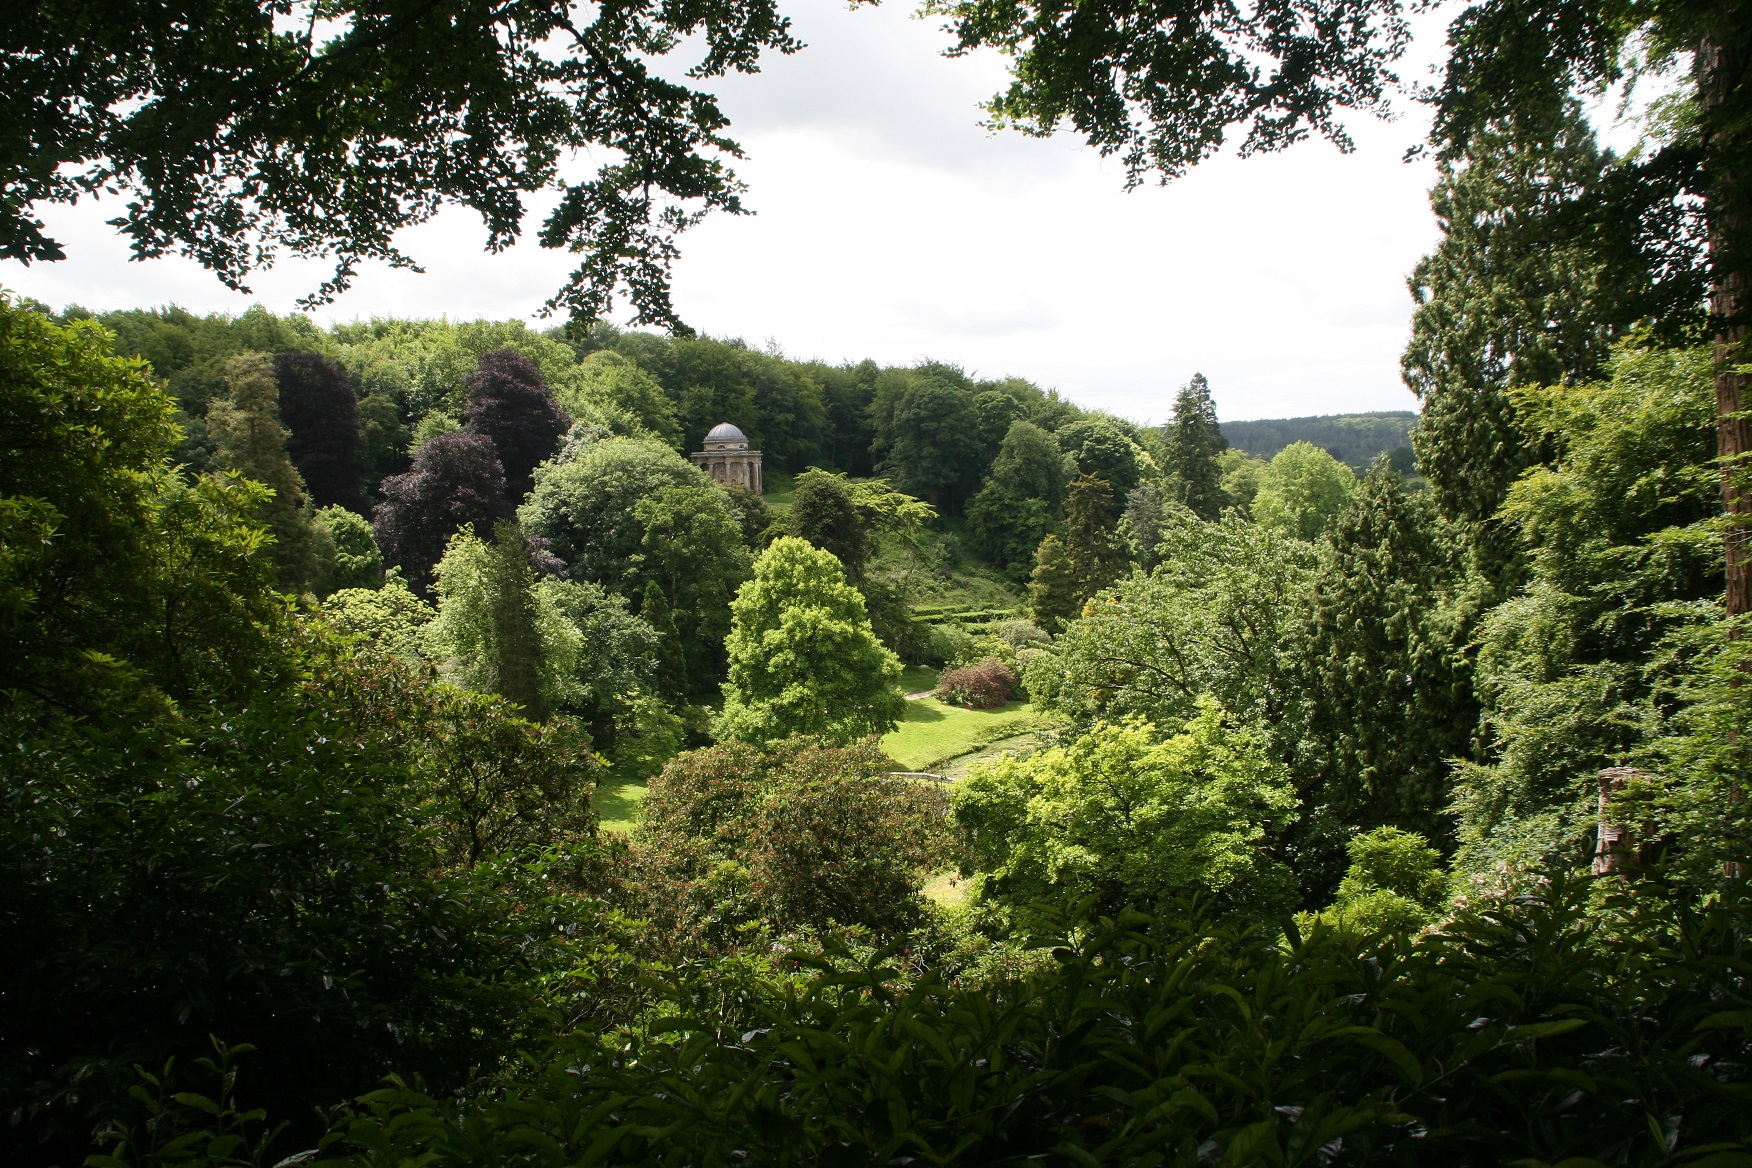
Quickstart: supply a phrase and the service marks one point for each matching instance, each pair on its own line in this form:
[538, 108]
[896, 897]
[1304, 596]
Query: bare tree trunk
[1721, 73]
[1615, 850]
[1722, 58]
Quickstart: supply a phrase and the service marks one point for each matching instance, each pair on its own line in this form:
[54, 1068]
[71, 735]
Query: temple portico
[728, 459]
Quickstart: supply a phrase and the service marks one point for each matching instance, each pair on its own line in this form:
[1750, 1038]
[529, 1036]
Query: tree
[321, 415]
[1583, 668]
[1147, 511]
[455, 484]
[823, 512]
[1130, 819]
[613, 380]
[1383, 664]
[931, 441]
[1022, 500]
[845, 518]
[800, 835]
[997, 412]
[1514, 295]
[1302, 491]
[692, 548]
[510, 403]
[1052, 587]
[654, 610]
[803, 658]
[251, 441]
[1214, 617]
[1195, 444]
[391, 617]
[1099, 448]
[1162, 87]
[488, 633]
[239, 130]
[351, 557]
[113, 575]
[1092, 548]
[625, 511]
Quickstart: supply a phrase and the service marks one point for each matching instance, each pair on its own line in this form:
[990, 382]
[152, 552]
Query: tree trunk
[1722, 59]
[1615, 849]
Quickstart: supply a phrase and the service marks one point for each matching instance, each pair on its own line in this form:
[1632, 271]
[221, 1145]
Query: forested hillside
[1353, 439]
[412, 758]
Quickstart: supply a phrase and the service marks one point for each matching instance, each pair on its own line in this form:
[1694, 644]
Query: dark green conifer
[1390, 689]
[672, 665]
[516, 642]
[1195, 442]
[1097, 558]
[1522, 290]
[1052, 589]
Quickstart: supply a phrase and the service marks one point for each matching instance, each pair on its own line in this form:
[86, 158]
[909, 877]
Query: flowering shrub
[983, 685]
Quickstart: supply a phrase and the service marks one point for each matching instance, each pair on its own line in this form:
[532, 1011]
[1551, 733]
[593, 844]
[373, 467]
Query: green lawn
[619, 805]
[932, 732]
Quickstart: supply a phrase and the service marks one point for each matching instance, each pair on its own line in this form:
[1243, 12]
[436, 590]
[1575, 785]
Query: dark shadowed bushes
[1536, 1031]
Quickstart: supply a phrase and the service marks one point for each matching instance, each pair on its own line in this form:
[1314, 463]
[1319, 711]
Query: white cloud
[890, 225]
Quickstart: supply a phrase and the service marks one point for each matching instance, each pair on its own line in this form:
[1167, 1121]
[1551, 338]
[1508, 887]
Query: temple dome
[725, 432]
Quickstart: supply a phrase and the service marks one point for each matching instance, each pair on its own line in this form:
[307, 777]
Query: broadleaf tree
[241, 131]
[803, 657]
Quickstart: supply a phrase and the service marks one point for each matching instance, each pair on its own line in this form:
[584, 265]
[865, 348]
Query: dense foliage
[737, 840]
[803, 658]
[1280, 864]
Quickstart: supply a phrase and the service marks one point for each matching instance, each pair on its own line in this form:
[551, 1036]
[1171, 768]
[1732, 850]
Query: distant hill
[1354, 439]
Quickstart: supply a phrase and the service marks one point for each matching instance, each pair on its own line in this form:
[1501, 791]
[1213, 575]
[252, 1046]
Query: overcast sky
[891, 226]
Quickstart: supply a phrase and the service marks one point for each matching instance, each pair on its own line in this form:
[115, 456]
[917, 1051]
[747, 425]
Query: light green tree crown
[803, 658]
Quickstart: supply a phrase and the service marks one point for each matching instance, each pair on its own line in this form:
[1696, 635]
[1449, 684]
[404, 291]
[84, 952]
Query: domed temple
[728, 459]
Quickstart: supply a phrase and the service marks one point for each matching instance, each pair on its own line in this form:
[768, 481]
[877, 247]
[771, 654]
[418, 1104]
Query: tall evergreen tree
[252, 441]
[1092, 543]
[509, 402]
[1195, 442]
[655, 611]
[327, 446]
[455, 482]
[1520, 291]
[1389, 687]
[1052, 588]
[517, 643]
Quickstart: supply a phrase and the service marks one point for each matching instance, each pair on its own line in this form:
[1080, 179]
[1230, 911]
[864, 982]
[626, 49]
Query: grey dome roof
[725, 432]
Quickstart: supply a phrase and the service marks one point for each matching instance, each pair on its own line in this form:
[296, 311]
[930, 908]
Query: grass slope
[618, 805]
[932, 732]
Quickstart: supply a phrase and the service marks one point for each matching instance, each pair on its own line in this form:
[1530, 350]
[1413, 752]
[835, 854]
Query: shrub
[946, 643]
[1531, 1031]
[1393, 886]
[985, 685]
[800, 835]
